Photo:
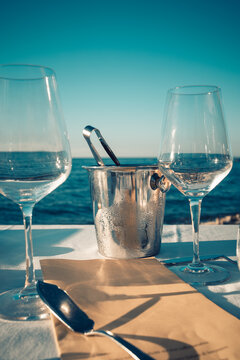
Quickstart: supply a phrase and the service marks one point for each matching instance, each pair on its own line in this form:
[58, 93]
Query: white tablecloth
[35, 340]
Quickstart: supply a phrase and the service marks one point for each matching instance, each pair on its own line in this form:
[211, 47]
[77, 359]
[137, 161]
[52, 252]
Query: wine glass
[195, 156]
[35, 159]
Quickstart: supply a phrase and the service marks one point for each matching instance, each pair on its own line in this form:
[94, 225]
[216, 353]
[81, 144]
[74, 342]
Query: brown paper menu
[145, 303]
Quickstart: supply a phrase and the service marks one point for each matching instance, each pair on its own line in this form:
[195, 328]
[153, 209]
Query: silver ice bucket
[128, 209]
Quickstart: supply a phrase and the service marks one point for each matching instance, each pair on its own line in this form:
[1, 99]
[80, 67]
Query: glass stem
[30, 280]
[195, 209]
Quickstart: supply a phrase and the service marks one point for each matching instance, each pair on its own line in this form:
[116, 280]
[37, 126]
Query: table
[35, 340]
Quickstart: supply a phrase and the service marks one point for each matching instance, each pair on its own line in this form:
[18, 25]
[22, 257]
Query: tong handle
[87, 134]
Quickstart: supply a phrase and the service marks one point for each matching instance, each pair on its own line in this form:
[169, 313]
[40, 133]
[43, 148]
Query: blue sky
[115, 61]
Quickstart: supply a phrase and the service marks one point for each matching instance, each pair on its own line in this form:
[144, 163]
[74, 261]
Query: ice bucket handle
[160, 182]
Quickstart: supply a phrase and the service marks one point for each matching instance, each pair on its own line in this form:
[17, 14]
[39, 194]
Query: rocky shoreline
[228, 219]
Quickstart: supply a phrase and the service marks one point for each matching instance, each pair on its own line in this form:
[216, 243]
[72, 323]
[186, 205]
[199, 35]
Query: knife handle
[135, 353]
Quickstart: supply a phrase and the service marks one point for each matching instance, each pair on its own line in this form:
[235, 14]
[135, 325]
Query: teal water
[71, 202]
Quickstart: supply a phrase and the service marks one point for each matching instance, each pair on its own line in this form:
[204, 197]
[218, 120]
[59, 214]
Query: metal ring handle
[160, 182]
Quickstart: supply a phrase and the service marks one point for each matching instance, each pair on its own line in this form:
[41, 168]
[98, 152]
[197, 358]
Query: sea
[71, 202]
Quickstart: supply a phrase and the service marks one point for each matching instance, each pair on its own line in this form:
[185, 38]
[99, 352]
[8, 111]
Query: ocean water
[71, 202]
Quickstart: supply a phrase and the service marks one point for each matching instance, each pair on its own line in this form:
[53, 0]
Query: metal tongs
[87, 134]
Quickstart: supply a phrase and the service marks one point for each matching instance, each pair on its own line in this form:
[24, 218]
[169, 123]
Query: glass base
[201, 275]
[16, 306]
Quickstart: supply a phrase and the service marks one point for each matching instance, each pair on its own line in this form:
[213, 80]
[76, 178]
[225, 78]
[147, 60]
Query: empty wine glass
[34, 160]
[195, 156]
